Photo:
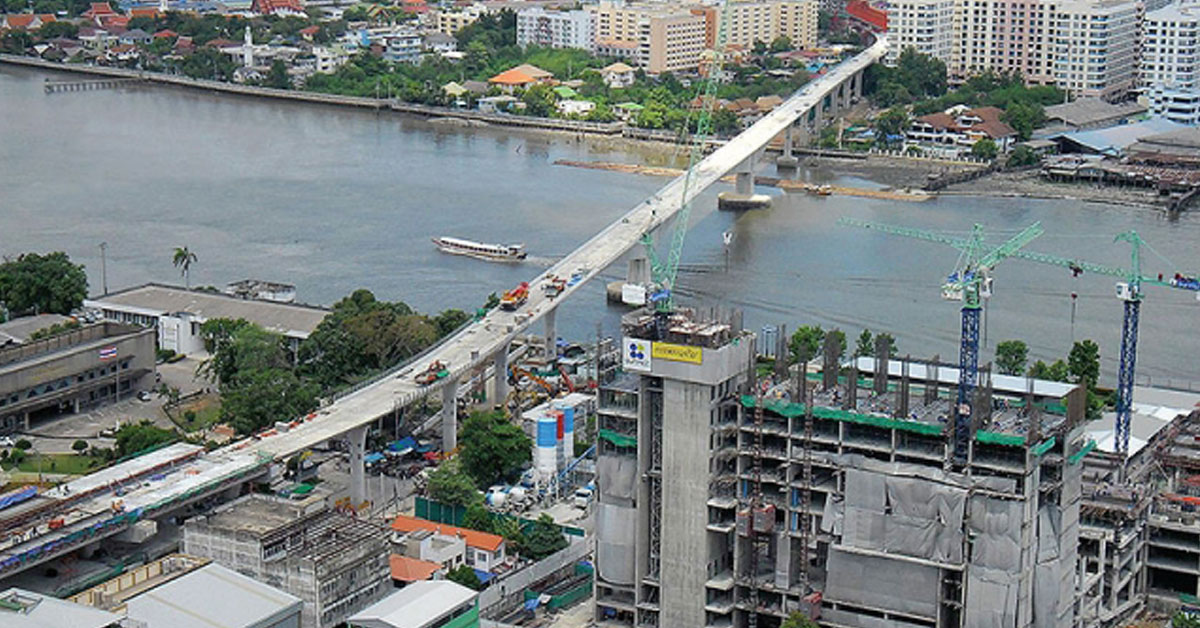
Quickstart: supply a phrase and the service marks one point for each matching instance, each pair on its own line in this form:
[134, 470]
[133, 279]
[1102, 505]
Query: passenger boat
[493, 252]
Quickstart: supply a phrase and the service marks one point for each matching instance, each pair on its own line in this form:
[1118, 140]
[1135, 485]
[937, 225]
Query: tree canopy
[493, 448]
[39, 284]
[450, 484]
[1011, 356]
[543, 538]
[136, 437]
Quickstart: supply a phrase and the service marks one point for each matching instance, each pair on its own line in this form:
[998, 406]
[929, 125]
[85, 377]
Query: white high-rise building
[556, 29]
[1170, 48]
[928, 26]
[1086, 47]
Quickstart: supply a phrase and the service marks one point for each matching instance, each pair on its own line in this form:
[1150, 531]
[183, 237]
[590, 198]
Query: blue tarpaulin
[372, 457]
[483, 576]
[403, 446]
[531, 604]
[17, 496]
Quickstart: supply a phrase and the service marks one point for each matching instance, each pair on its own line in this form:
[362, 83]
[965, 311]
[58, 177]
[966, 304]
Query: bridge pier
[743, 196]
[787, 159]
[551, 349]
[450, 415]
[500, 374]
[356, 440]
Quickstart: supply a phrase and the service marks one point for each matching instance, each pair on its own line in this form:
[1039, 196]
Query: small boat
[493, 252]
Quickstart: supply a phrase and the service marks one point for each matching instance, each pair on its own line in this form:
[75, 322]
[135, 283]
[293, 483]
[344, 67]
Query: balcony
[721, 582]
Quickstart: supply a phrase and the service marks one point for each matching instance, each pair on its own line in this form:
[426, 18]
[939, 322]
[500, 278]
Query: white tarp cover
[880, 582]
[616, 534]
[615, 476]
[992, 578]
[904, 515]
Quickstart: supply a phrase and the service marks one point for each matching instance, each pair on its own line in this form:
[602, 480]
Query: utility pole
[104, 266]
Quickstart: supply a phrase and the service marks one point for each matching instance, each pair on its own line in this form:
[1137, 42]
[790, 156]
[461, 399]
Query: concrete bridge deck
[483, 339]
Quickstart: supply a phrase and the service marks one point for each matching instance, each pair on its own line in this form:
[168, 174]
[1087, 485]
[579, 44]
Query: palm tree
[183, 260]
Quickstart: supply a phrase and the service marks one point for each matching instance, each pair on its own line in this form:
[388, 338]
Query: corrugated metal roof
[1116, 139]
[414, 606]
[41, 611]
[213, 597]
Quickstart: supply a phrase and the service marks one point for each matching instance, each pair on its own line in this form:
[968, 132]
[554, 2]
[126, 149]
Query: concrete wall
[686, 411]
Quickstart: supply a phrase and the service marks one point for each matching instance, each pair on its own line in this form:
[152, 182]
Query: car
[6, 441]
[144, 395]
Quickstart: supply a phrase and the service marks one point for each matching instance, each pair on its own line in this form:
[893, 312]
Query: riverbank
[1029, 184]
[791, 185]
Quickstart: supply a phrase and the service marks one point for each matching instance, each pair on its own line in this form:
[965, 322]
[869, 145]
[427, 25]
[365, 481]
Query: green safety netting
[1083, 451]
[997, 438]
[788, 409]
[620, 440]
[1044, 446]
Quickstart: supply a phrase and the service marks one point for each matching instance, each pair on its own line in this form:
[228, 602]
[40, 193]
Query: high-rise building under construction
[725, 500]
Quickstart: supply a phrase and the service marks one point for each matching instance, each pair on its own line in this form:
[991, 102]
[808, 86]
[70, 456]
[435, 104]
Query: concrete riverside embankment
[377, 104]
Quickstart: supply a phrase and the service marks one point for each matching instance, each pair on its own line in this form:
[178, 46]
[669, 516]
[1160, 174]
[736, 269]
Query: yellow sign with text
[677, 353]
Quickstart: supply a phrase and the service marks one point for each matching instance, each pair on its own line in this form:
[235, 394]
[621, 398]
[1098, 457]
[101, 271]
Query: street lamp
[104, 266]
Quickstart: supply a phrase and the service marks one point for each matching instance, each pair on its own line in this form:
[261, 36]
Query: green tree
[544, 538]
[539, 100]
[450, 320]
[781, 44]
[493, 449]
[79, 446]
[1083, 363]
[183, 258]
[59, 29]
[259, 398]
[760, 47]
[477, 518]
[1185, 620]
[839, 341]
[1011, 356]
[465, 576]
[1024, 117]
[891, 343]
[725, 121]
[136, 437]
[278, 76]
[601, 113]
[1021, 156]
[450, 484]
[38, 284]
[891, 123]
[984, 149]
[248, 349]
[798, 620]
[1056, 372]
[217, 333]
[805, 343]
[865, 345]
[24, 445]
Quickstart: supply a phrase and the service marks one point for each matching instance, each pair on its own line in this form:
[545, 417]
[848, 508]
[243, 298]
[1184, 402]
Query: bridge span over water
[489, 338]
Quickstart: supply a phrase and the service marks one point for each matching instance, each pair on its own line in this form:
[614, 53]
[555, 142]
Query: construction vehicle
[554, 286]
[515, 298]
[970, 283]
[435, 371]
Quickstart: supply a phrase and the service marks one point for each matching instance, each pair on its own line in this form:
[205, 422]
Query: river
[333, 199]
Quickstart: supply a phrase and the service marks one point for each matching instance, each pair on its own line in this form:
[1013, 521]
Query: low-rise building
[446, 551]
[957, 130]
[617, 75]
[572, 107]
[450, 22]
[71, 371]
[407, 570]
[522, 76]
[438, 604]
[485, 552]
[26, 609]
[177, 314]
[335, 563]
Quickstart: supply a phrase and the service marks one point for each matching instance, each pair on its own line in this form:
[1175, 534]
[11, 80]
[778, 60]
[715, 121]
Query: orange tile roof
[46, 18]
[144, 12]
[20, 20]
[474, 538]
[511, 77]
[407, 569]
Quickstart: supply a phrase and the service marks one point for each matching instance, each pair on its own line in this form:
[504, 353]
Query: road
[479, 341]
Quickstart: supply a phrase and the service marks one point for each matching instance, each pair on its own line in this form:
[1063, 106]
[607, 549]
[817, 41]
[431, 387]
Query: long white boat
[491, 252]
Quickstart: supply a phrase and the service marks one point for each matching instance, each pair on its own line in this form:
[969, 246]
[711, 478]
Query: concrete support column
[26, 421]
[787, 159]
[500, 374]
[551, 351]
[450, 415]
[356, 439]
[857, 85]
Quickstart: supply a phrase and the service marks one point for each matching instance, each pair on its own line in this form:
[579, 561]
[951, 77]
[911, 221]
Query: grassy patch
[197, 413]
[71, 464]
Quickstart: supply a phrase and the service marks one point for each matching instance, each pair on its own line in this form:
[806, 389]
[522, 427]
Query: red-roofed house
[523, 76]
[406, 570]
[114, 23]
[98, 10]
[485, 551]
[20, 22]
[309, 32]
[277, 7]
[165, 33]
[414, 6]
[959, 128]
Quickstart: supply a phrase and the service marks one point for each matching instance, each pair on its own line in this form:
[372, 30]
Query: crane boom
[664, 272]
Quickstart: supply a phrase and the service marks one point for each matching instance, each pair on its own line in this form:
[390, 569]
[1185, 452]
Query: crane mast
[663, 272]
